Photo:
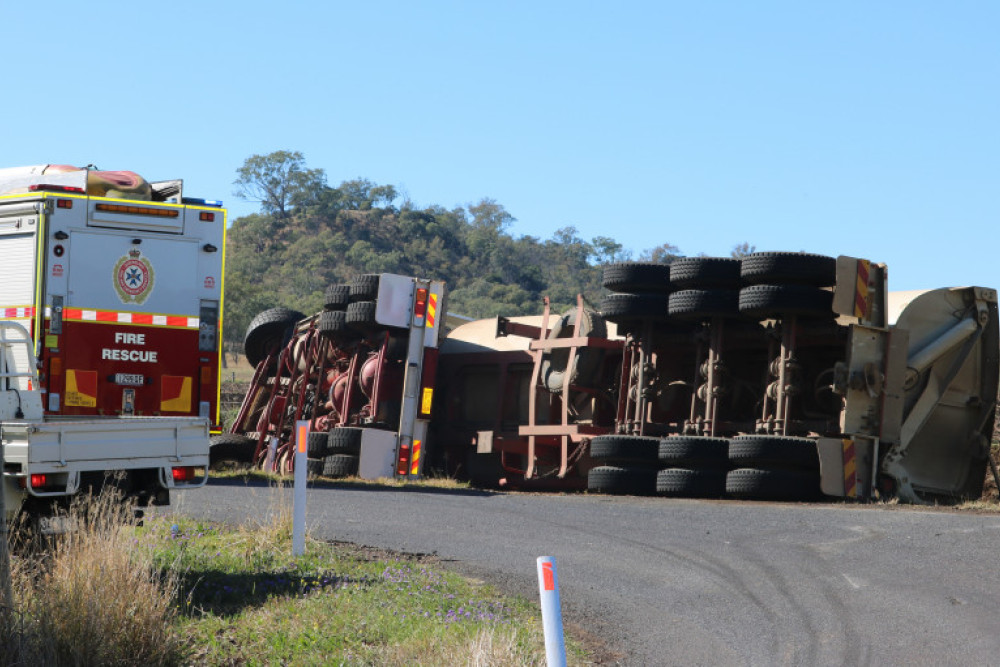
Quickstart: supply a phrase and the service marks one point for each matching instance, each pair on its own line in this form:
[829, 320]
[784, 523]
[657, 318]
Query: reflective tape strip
[415, 458]
[125, 317]
[18, 312]
[850, 470]
[432, 303]
[862, 305]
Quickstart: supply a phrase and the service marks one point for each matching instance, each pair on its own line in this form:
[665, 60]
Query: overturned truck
[777, 376]
[360, 373]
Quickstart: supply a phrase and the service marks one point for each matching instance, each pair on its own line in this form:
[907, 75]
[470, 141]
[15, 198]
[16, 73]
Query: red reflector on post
[38, 481]
[420, 307]
[183, 474]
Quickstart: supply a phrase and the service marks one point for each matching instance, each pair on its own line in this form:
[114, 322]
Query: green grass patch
[182, 592]
[244, 599]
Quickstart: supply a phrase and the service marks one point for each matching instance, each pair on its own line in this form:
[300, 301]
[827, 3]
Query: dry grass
[92, 597]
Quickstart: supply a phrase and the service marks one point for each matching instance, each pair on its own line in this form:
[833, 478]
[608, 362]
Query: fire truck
[111, 295]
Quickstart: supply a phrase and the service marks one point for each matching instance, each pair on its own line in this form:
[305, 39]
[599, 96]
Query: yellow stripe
[415, 458]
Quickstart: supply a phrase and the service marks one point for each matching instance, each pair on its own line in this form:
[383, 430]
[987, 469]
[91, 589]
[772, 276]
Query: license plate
[129, 380]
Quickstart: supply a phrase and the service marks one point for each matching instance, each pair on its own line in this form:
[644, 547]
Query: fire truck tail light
[420, 307]
[64, 203]
[184, 474]
[206, 216]
[39, 481]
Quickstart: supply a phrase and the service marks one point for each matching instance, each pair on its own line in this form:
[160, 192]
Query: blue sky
[859, 128]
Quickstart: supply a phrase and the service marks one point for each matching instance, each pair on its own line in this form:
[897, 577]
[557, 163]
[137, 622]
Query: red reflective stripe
[176, 321]
[548, 577]
[142, 318]
[107, 316]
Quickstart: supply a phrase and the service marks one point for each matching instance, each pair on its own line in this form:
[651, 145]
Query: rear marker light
[64, 203]
[138, 210]
[420, 308]
[206, 216]
[38, 481]
[183, 474]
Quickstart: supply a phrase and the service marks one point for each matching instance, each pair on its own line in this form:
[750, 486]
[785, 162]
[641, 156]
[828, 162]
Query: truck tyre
[361, 316]
[554, 373]
[705, 273]
[314, 467]
[621, 307]
[231, 448]
[336, 297]
[344, 440]
[624, 449]
[799, 268]
[771, 451]
[364, 287]
[633, 480]
[774, 301]
[701, 304]
[691, 483]
[316, 444]
[340, 465]
[332, 323]
[772, 484]
[268, 332]
[637, 277]
[694, 451]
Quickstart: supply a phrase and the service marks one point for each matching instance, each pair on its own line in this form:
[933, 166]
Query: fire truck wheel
[694, 451]
[799, 268]
[624, 449]
[621, 307]
[632, 480]
[230, 448]
[361, 316]
[701, 304]
[336, 297]
[340, 465]
[554, 373]
[705, 273]
[775, 301]
[268, 332]
[344, 440]
[364, 287]
[637, 277]
[768, 451]
[772, 484]
[691, 483]
[316, 445]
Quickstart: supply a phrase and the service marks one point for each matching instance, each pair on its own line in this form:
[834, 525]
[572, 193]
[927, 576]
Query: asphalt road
[686, 582]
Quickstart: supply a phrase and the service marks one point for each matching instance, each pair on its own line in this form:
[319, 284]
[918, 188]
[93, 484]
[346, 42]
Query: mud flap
[846, 466]
[378, 454]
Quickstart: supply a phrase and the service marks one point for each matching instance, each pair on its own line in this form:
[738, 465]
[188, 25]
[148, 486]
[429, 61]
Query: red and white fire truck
[110, 295]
